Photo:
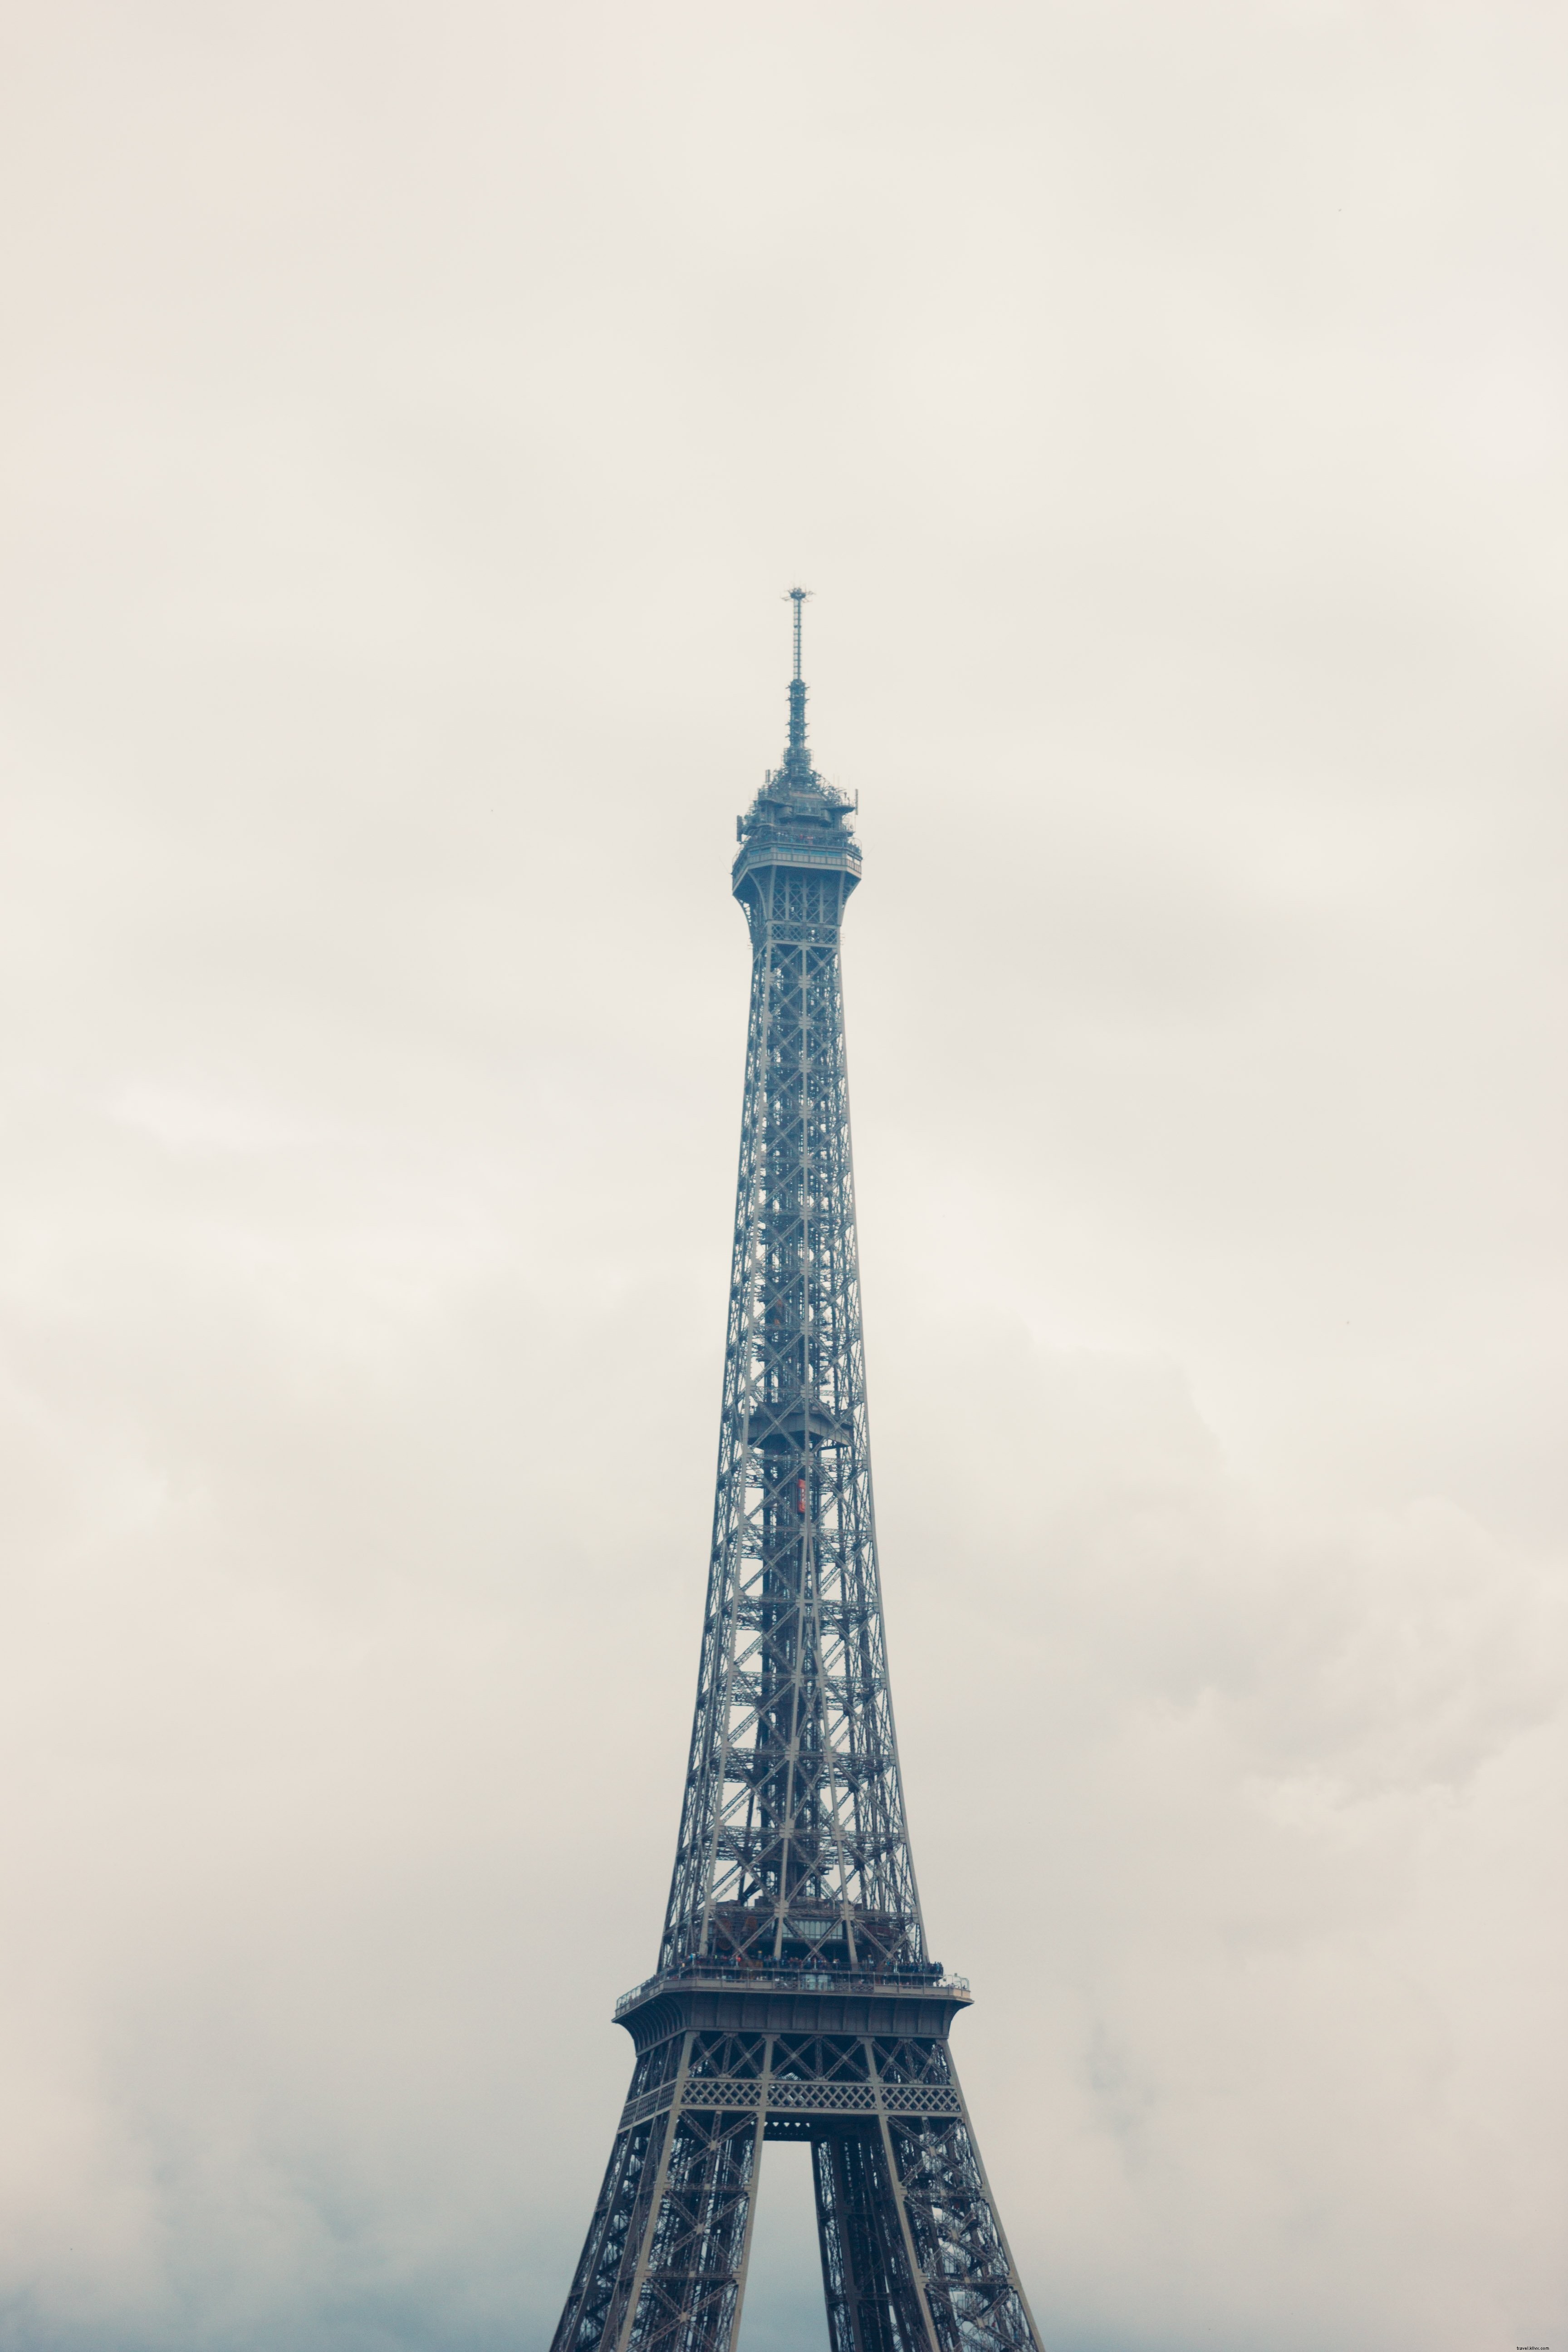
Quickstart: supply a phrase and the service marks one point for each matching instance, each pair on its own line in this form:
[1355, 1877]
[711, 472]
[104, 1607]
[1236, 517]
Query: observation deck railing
[787, 1976]
[781, 848]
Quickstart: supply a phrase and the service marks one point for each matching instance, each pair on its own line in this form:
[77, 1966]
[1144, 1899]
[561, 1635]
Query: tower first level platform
[912, 2254]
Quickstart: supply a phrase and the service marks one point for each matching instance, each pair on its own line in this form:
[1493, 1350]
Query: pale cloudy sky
[414, 414]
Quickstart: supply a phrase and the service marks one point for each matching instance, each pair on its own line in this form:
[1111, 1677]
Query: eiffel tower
[793, 1999]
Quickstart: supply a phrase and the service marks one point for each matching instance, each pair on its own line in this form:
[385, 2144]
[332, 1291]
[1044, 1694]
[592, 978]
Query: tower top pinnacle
[797, 761]
[796, 597]
[798, 819]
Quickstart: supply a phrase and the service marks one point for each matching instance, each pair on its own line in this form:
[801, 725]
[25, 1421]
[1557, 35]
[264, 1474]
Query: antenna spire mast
[798, 763]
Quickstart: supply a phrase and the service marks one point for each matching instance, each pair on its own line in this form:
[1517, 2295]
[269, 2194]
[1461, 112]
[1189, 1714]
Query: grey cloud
[414, 418]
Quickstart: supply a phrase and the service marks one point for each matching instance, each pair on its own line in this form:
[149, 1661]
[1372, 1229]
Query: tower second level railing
[794, 1976]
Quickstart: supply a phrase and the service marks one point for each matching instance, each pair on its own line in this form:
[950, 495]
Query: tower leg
[684, 2295]
[616, 2230]
[664, 2266]
[969, 2284]
[872, 2304]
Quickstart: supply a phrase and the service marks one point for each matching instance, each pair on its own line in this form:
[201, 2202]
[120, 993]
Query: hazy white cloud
[413, 418]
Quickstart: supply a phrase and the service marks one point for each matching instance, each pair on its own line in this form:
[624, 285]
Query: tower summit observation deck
[798, 822]
[794, 1996]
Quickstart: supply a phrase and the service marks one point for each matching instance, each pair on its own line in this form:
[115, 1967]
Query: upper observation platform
[797, 819]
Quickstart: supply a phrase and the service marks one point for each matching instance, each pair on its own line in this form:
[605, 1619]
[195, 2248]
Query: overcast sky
[413, 415]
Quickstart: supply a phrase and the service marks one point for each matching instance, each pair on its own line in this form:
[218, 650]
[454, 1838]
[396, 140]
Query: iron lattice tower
[793, 1998]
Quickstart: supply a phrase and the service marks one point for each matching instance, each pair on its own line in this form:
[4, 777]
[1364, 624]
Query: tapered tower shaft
[793, 1840]
[794, 1996]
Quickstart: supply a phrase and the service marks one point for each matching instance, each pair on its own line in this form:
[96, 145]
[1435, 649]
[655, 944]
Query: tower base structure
[914, 2258]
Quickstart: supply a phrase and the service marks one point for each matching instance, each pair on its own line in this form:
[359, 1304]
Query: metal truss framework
[794, 1998]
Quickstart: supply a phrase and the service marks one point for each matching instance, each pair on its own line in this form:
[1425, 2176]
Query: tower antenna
[797, 597]
[797, 763]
